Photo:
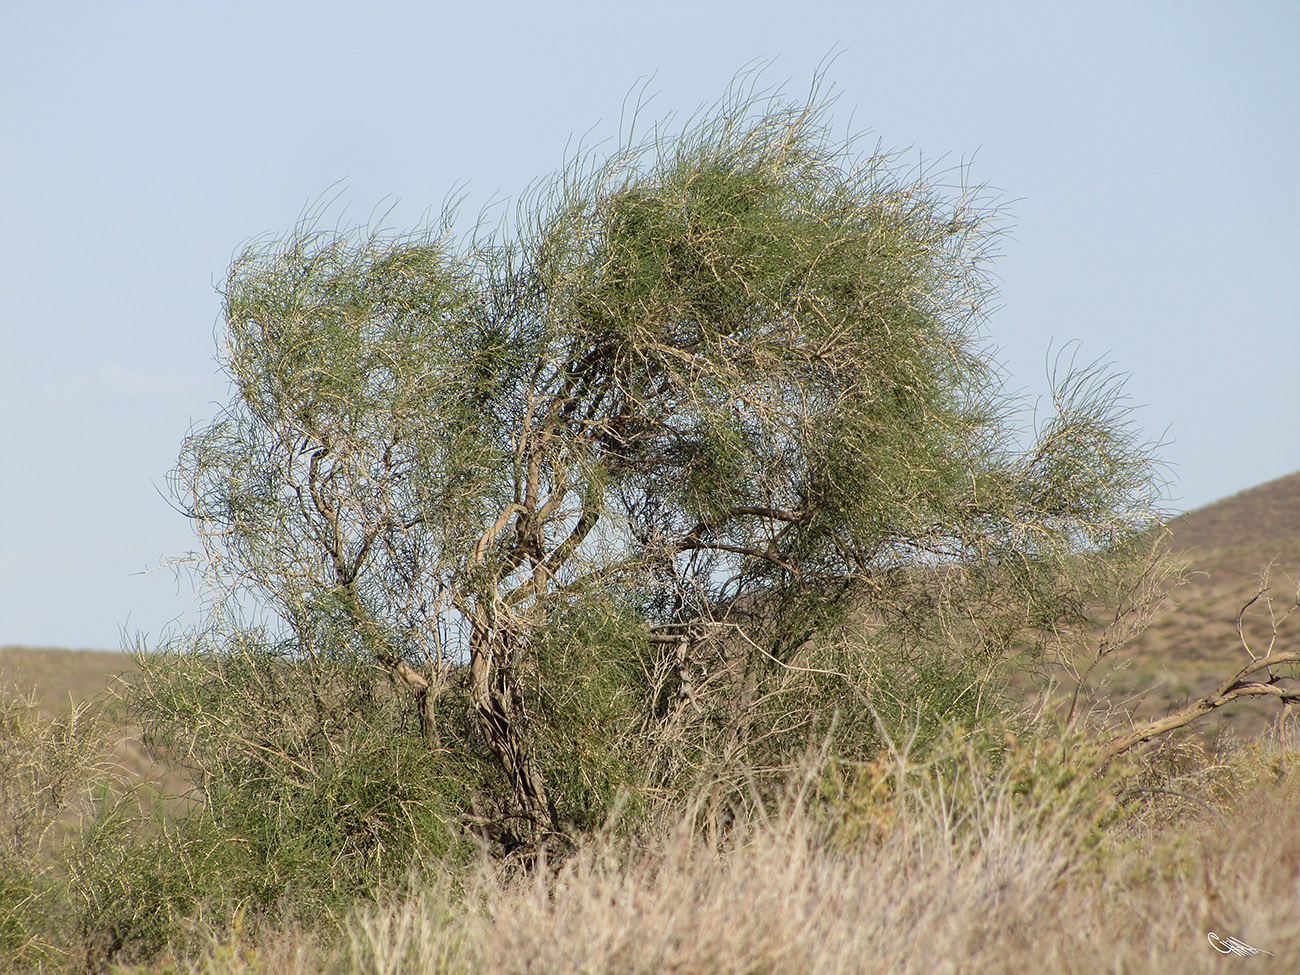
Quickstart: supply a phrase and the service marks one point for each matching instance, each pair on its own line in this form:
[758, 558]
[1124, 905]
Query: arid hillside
[60, 676]
[1262, 520]
[1241, 554]
[62, 679]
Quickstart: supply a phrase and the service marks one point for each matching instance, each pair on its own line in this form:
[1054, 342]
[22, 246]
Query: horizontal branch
[689, 544]
[777, 514]
[691, 541]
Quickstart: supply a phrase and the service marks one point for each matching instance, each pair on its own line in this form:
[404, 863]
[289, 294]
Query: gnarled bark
[503, 719]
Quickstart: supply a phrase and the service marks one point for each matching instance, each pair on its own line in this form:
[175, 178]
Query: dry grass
[1008, 890]
[62, 682]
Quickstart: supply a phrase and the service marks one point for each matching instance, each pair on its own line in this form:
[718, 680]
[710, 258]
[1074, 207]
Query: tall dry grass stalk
[50, 769]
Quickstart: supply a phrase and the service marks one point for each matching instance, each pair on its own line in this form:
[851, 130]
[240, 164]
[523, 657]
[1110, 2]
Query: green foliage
[588, 698]
[319, 777]
[136, 881]
[702, 460]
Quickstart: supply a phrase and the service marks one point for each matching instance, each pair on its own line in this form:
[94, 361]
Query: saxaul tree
[614, 473]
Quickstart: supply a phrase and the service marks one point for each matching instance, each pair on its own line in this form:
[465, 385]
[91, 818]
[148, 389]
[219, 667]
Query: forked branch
[1239, 685]
[1236, 686]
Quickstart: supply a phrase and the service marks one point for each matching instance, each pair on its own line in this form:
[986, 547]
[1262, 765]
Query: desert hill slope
[1262, 521]
[58, 676]
[1231, 549]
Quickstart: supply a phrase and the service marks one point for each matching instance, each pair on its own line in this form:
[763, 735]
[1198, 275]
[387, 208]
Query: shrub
[50, 770]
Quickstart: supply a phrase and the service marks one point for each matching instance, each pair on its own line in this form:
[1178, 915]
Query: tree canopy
[703, 454]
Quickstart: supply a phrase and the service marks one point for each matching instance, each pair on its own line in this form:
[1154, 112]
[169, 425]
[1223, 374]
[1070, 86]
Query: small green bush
[967, 780]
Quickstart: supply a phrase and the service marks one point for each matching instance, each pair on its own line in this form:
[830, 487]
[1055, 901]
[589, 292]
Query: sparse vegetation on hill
[1264, 520]
[1242, 557]
[61, 677]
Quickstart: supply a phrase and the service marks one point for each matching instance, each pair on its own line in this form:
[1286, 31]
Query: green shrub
[970, 779]
[321, 780]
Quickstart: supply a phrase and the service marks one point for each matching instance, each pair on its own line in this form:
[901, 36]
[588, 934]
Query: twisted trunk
[499, 707]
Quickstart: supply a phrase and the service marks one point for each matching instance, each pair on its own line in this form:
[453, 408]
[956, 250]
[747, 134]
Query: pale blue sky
[1149, 151]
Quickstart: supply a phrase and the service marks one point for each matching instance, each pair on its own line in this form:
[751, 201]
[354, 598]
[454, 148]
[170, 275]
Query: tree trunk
[500, 710]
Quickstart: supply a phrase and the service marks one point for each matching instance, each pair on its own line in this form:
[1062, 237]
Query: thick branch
[1234, 687]
[557, 558]
[490, 536]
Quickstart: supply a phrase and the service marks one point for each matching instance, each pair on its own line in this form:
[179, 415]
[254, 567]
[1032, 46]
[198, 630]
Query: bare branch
[1230, 690]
